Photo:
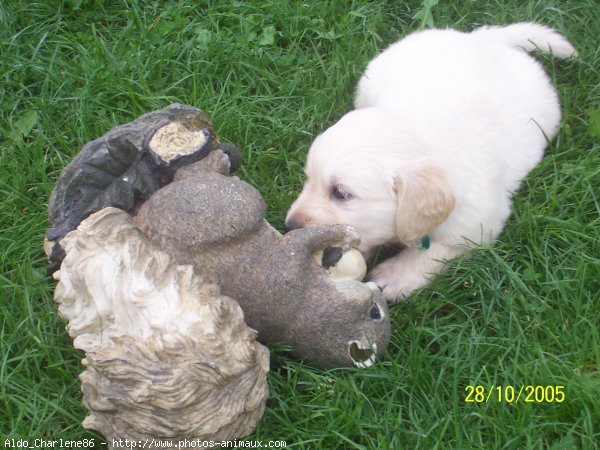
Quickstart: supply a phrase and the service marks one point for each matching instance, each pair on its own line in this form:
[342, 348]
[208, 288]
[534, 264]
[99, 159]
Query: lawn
[272, 75]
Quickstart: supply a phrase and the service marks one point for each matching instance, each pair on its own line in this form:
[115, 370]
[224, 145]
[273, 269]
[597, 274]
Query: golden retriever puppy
[446, 125]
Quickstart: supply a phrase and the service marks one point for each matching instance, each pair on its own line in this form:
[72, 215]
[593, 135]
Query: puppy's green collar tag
[425, 241]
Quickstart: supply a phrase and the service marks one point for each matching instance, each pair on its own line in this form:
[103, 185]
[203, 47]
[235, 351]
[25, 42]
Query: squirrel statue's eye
[340, 194]
[375, 312]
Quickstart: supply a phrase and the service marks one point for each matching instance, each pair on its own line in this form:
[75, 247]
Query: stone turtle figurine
[126, 165]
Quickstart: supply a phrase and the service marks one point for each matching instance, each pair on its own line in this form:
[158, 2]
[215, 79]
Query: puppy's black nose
[291, 225]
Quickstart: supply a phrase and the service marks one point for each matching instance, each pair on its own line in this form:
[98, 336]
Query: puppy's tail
[531, 36]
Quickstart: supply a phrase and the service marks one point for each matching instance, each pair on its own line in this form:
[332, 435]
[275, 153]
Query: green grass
[272, 75]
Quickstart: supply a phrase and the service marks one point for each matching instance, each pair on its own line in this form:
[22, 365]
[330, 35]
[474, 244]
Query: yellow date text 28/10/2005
[512, 394]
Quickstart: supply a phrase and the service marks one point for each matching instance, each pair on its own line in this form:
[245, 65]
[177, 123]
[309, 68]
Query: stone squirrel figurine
[284, 284]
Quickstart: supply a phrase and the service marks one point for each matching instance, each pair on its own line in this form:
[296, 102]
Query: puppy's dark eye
[340, 194]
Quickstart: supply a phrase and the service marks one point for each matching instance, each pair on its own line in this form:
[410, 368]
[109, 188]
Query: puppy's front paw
[396, 284]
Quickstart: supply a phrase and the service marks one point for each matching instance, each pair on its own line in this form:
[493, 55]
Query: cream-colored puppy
[446, 125]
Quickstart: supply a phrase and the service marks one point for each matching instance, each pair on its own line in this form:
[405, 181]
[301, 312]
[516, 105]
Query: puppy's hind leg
[412, 269]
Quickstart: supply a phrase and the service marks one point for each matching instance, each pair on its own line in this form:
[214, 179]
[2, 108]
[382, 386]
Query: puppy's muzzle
[291, 225]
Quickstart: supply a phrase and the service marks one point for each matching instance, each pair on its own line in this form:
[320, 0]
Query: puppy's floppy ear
[424, 201]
